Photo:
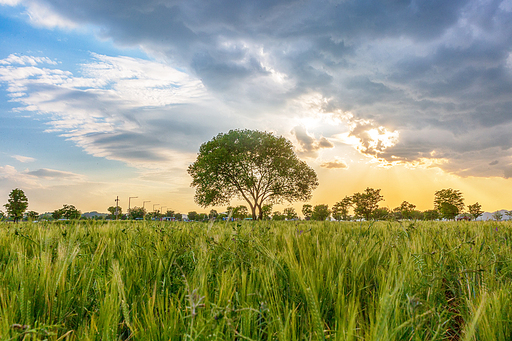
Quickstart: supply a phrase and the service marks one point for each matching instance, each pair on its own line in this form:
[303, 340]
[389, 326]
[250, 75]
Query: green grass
[256, 281]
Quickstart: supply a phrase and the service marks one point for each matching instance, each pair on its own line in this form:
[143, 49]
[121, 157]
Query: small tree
[266, 211]
[192, 216]
[70, 212]
[406, 209]
[367, 202]
[32, 215]
[213, 214]
[113, 210]
[307, 211]
[341, 208]
[136, 213]
[277, 215]
[320, 212]
[240, 212]
[497, 216]
[431, 215]
[16, 204]
[290, 213]
[57, 214]
[381, 213]
[475, 210]
[449, 202]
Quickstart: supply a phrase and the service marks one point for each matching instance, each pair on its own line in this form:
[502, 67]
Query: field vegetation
[267, 280]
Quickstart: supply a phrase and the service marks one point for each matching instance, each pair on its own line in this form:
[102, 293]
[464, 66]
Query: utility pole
[162, 212]
[143, 210]
[117, 207]
[129, 198]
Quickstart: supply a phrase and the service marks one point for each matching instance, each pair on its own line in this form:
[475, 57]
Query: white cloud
[136, 111]
[14, 59]
[21, 158]
[10, 2]
[41, 14]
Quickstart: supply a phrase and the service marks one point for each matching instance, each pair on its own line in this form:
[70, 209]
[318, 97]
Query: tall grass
[256, 281]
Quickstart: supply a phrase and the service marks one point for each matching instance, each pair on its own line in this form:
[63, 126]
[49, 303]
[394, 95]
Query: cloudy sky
[113, 98]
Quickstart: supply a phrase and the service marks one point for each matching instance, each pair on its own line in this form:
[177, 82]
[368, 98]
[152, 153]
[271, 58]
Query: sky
[104, 99]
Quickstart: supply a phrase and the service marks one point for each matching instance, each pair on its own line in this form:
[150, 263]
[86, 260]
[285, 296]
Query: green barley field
[256, 281]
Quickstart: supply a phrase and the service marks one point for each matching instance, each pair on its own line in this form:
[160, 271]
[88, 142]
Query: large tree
[449, 202]
[254, 166]
[16, 204]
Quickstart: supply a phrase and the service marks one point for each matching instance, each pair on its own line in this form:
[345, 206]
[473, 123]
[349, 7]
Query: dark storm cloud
[437, 72]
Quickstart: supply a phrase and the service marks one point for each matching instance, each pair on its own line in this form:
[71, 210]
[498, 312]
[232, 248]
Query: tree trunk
[253, 209]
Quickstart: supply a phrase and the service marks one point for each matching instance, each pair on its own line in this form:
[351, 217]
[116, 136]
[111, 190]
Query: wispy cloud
[121, 108]
[46, 173]
[335, 164]
[21, 158]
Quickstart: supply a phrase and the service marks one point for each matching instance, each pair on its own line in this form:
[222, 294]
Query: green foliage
[16, 204]
[497, 215]
[290, 213]
[475, 210]
[136, 213]
[192, 216]
[115, 212]
[66, 212]
[254, 166]
[406, 210]
[431, 215]
[240, 212]
[366, 203]
[307, 211]
[266, 211]
[340, 210]
[32, 215]
[320, 212]
[278, 216]
[70, 212]
[381, 213]
[449, 202]
[213, 214]
[87, 280]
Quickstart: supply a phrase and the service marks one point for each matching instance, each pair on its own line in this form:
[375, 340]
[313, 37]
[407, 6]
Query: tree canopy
[449, 202]
[366, 203]
[475, 210]
[16, 204]
[341, 208]
[251, 165]
[320, 212]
